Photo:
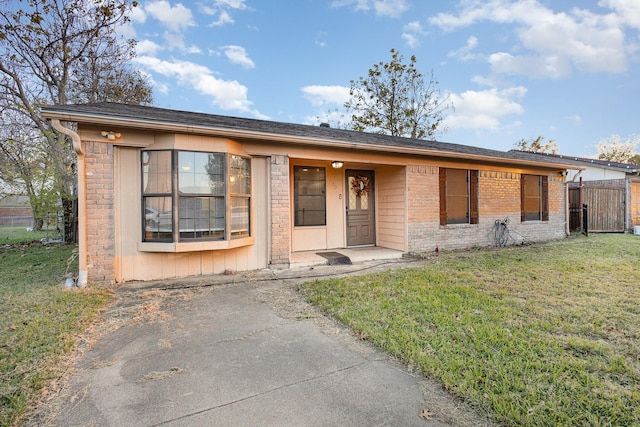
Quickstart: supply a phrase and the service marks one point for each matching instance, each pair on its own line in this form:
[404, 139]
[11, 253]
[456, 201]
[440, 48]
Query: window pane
[240, 216]
[532, 198]
[457, 185]
[309, 196]
[158, 218]
[201, 217]
[156, 172]
[240, 175]
[200, 173]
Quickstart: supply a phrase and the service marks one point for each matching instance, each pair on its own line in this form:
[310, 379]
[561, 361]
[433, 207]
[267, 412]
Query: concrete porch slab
[358, 254]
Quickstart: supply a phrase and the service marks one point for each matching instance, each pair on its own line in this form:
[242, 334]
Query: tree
[616, 149]
[55, 52]
[536, 145]
[27, 168]
[395, 99]
[634, 160]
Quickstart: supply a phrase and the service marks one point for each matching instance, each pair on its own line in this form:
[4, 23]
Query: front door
[361, 227]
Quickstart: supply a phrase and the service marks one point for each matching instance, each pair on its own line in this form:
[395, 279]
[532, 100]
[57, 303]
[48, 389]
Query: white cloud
[227, 94]
[231, 4]
[465, 53]
[175, 18]
[238, 55]
[576, 119]
[554, 42]
[222, 8]
[326, 95]
[552, 66]
[627, 10]
[390, 8]
[357, 4]
[411, 33]
[484, 110]
[147, 47]
[223, 19]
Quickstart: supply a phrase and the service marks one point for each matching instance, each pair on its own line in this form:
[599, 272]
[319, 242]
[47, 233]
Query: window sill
[467, 225]
[176, 247]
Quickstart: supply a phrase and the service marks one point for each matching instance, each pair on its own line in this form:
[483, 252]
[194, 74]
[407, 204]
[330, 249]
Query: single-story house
[610, 190]
[165, 194]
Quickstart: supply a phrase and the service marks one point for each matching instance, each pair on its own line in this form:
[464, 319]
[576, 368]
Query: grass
[39, 319]
[530, 336]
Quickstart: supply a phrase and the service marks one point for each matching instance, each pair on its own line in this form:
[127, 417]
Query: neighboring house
[166, 194]
[15, 210]
[611, 191]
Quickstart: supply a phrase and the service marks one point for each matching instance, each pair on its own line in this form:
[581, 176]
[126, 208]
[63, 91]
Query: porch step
[335, 258]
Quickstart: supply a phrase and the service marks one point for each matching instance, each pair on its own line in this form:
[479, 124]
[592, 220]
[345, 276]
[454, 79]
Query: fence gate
[606, 209]
[575, 207]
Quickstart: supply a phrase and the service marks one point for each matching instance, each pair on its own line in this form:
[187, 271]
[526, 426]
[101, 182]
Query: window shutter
[473, 197]
[522, 199]
[443, 196]
[545, 198]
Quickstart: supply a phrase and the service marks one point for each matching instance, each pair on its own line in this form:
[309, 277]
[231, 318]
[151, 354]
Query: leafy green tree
[536, 145]
[55, 52]
[634, 160]
[396, 99]
[617, 149]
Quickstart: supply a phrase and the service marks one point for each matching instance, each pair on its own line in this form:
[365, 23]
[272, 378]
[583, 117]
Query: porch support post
[280, 213]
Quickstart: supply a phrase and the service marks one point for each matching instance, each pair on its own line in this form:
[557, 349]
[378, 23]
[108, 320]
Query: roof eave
[101, 119]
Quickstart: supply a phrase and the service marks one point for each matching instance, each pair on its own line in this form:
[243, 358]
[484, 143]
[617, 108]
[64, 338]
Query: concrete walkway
[240, 350]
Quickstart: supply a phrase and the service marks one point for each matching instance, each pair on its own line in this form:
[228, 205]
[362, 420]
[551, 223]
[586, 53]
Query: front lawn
[542, 335]
[39, 320]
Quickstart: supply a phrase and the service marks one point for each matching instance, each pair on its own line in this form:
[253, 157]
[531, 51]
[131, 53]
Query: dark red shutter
[443, 196]
[473, 197]
[523, 214]
[545, 198]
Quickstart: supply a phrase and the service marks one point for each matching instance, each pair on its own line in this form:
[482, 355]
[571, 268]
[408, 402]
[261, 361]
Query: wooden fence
[605, 205]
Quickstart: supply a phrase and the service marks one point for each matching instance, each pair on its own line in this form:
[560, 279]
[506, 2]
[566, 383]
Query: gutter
[82, 202]
[99, 119]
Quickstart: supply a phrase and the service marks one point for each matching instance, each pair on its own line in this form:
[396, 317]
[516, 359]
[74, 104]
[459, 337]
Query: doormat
[335, 258]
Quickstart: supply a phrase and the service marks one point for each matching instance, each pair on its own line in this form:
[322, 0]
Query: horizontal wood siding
[391, 214]
[635, 204]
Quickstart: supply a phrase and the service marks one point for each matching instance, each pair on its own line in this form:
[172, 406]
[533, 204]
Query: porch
[358, 254]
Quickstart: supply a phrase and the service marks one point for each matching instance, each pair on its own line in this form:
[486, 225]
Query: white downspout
[82, 201]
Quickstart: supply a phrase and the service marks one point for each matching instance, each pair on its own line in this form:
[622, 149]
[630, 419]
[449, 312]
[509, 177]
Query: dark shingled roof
[582, 161]
[150, 117]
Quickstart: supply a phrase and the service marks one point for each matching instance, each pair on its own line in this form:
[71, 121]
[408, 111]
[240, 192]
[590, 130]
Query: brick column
[100, 217]
[280, 213]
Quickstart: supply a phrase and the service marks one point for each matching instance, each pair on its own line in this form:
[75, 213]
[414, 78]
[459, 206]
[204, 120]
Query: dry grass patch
[539, 335]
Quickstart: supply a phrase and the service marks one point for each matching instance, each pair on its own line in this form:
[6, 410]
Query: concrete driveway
[239, 350]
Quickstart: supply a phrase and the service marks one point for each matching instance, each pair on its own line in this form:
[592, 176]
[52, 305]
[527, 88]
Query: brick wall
[280, 212]
[498, 198]
[100, 215]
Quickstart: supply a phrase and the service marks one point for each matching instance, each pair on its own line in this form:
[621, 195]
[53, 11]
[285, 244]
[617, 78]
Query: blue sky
[566, 70]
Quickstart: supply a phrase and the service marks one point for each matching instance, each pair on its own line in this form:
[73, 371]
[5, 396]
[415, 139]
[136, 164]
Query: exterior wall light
[111, 136]
[337, 165]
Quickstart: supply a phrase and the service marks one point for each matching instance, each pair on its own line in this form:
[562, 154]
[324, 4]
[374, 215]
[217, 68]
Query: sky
[565, 70]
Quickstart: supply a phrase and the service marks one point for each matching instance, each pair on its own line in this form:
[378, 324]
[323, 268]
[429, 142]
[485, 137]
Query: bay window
[185, 196]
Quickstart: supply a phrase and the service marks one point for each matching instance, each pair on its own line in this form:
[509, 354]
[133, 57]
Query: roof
[583, 162]
[153, 118]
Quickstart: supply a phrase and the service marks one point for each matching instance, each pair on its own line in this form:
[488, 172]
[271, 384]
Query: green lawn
[536, 336]
[39, 319]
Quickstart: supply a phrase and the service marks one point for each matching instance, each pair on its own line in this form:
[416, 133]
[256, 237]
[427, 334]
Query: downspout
[82, 201]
